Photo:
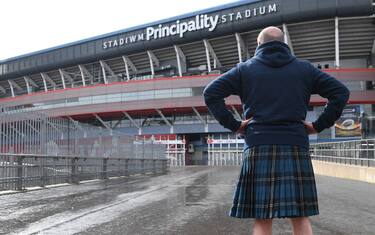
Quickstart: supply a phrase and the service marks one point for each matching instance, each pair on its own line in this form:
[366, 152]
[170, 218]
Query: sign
[225, 141]
[199, 22]
[166, 142]
[159, 139]
[349, 124]
[169, 141]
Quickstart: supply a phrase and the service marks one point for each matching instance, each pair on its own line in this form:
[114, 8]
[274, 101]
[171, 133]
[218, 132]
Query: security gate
[175, 152]
[224, 150]
[175, 147]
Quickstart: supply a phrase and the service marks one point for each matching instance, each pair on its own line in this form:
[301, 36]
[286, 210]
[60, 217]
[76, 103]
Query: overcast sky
[32, 25]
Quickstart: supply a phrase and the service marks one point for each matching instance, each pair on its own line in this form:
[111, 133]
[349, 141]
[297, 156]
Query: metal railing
[21, 171]
[354, 152]
[38, 150]
[37, 133]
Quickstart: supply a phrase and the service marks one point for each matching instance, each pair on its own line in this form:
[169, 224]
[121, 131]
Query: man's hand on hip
[242, 129]
[310, 128]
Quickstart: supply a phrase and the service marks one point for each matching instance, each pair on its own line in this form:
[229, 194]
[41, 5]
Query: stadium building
[148, 80]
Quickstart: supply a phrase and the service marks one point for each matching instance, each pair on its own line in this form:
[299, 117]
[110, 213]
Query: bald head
[270, 34]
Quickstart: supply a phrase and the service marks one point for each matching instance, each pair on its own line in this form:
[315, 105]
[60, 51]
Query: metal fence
[37, 150]
[227, 150]
[224, 150]
[20, 171]
[36, 133]
[355, 152]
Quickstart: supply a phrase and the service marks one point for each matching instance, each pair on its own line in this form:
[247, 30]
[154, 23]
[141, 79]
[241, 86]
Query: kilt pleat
[276, 181]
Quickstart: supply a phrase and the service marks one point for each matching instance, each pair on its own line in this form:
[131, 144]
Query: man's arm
[337, 95]
[214, 94]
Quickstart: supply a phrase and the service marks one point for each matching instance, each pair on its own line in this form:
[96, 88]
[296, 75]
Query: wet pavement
[190, 200]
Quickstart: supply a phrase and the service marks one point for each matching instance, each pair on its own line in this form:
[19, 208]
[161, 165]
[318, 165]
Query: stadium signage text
[199, 22]
[180, 28]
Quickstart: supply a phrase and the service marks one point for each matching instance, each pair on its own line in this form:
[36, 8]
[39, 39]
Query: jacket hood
[274, 54]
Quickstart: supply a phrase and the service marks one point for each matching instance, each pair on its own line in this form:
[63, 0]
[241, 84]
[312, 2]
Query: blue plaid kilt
[276, 181]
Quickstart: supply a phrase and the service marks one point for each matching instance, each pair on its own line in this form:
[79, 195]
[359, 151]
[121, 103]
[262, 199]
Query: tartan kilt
[276, 181]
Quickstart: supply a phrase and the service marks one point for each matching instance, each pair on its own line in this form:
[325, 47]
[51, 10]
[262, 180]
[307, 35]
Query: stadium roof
[163, 21]
[310, 26]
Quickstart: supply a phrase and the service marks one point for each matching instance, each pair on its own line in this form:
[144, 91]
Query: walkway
[190, 200]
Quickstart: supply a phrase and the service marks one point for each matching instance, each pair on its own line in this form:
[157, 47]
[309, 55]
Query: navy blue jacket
[275, 89]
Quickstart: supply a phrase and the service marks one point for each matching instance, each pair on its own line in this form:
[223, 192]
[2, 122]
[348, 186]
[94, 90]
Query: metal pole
[207, 55]
[126, 68]
[337, 43]
[239, 49]
[19, 184]
[178, 60]
[151, 64]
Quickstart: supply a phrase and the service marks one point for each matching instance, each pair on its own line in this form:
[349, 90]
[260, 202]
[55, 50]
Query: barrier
[354, 152]
[21, 171]
[37, 150]
[224, 150]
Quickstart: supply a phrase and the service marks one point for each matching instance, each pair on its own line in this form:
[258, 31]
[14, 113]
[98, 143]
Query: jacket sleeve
[215, 92]
[336, 93]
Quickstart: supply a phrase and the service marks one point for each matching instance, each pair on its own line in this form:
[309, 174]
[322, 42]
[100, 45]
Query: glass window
[129, 96]
[85, 100]
[120, 97]
[146, 95]
[355, 85]
[182, 92]
[71, 100]
[114, 97]
[197, 91]
[160, 94]
[99, 99]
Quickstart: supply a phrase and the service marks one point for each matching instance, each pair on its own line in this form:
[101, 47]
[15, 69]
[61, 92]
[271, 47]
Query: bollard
[164, 166]
[126, 167]
[19, 182]
[119, 171]
[154, 166]
[74, 169]
[104, 169]
[143, 170]
[43, 176]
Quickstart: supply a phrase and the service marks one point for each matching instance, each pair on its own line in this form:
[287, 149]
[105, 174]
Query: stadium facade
[149, 79]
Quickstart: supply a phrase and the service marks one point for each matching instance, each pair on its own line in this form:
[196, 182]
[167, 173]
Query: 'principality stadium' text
[200, 22]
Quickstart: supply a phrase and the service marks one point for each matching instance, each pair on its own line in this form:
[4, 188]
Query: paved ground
[192, 200]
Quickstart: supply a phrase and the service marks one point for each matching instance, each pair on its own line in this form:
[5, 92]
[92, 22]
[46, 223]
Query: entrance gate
[175, 147]
[224, 150]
